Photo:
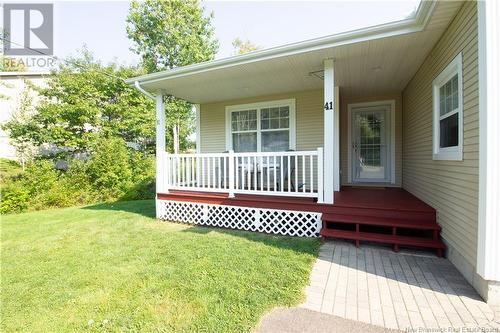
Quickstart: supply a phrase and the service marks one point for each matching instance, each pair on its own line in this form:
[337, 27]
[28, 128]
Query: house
[12, 88]
[380, 134]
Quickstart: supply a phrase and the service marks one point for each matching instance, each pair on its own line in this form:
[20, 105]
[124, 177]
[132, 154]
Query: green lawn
[114, 268]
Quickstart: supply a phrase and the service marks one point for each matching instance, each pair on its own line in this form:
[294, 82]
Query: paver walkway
[394, 290]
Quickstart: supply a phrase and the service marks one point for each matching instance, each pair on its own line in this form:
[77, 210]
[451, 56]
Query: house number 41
[328, 106]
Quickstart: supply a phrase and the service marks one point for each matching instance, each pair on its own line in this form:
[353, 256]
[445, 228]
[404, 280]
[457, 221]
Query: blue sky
[101, 25]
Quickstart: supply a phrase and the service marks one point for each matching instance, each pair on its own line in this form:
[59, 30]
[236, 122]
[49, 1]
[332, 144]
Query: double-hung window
[261, 127]
[448, 112]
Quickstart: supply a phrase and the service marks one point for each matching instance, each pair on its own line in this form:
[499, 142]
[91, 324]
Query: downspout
[141, 89]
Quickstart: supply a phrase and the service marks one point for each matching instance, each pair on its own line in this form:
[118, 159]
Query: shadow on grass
[298, 244]
[141, 207]
[147, 208]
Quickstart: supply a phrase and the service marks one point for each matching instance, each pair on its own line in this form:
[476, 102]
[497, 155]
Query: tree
[169, 34]
[82, 101]
[244, 46]
[20, 118]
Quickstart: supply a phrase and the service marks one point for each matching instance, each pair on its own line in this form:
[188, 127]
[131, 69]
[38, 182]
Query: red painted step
[382, 238]
[380, 221]
[417, 215]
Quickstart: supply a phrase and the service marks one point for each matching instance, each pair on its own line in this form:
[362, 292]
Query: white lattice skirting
[272, 221]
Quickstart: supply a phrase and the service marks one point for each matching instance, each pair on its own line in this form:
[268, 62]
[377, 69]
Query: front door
[370, 144]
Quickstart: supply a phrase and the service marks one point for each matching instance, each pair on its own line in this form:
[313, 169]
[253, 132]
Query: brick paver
[395, 290]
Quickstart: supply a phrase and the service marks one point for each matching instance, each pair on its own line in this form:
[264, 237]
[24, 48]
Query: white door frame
[392, 128]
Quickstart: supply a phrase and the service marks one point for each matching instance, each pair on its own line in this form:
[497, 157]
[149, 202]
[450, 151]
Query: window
[267, 126]
[447, 110]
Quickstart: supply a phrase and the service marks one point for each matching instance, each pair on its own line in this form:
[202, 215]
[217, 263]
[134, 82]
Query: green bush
[112, 172]
[109, 168]
[14, 198]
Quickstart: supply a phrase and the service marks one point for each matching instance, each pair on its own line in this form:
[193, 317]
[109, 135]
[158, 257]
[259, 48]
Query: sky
[100, 25]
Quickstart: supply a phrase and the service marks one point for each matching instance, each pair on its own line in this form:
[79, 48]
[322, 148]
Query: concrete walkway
[394, 290]
[299, 320]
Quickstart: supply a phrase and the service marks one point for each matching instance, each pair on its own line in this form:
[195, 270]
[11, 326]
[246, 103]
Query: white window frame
[448, 153]
[258, 106]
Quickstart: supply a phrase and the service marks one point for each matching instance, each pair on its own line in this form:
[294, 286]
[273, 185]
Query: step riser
[403, 215]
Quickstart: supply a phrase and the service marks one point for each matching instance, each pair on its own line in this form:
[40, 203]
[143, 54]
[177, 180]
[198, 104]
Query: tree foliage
[244, 46]
[169, 34]
[82, 101]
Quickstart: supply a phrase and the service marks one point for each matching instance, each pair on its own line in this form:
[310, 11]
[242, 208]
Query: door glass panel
[369, 146]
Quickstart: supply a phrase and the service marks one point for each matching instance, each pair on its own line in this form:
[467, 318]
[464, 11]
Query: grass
[114, 268]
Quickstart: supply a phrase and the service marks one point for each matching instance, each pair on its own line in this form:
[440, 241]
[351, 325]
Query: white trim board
[392, 111]
[198, 127]
[488, 246]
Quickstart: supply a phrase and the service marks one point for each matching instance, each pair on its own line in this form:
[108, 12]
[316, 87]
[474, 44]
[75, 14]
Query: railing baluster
[236, 162]
[255, 173]
[303, 173]
[289, 173]
[312, 173]
[282, 183]
[295, 172]
[183, 171]
[268, 167]
[249, 173]
[274, 180]
[214, 185]
[202, 159]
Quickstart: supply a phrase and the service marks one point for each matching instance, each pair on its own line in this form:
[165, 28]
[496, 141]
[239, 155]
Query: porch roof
[370, 61]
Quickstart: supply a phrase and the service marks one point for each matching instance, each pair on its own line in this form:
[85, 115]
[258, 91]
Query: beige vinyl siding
[308, 115]
[449, 186]
[344, 128]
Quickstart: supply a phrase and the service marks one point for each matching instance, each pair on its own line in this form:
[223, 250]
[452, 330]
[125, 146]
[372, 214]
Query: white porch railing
[290, 173]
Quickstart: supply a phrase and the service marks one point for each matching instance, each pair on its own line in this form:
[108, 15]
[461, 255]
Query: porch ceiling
[371, 61]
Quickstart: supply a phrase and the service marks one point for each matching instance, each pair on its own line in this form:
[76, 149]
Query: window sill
[448, 156]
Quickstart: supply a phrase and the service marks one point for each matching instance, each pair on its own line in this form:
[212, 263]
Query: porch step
[419, 216]
[381, 221]
[388, 239]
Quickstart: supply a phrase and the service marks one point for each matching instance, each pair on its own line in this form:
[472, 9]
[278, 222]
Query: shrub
[113, 172]
[108, 168]
[14, 198]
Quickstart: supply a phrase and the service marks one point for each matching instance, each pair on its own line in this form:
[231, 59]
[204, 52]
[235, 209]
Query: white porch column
[198, 127]
[488, 245]
[329, 132]
[160, 144]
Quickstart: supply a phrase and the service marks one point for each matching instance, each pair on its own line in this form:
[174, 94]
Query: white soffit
[371, 61]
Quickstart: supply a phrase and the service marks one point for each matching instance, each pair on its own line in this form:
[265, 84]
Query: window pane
[284, 111]
[448, 131]
[264, 113]
[454, 84]
[275, 112]
[275, 123]
[448, 104]
[245, 142]
[264, 124]
[275, 141]
[284, 123]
